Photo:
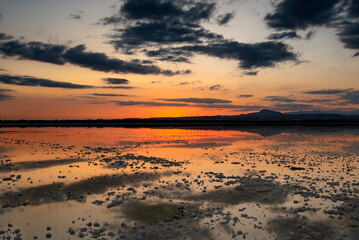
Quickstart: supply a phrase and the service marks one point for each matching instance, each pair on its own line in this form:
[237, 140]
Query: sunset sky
[76, 59]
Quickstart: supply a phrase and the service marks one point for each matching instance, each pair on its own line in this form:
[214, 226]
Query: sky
[109, 59]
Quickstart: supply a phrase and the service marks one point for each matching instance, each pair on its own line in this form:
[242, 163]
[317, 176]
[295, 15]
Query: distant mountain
[275, 116]
[263, 117]
[278, 116]
[264, 114]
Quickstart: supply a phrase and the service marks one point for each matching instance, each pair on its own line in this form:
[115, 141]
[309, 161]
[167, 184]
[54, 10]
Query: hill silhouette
[263, 117]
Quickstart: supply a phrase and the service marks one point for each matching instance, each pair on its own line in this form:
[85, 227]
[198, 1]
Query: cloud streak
[328, 91]
[149, 104]
[79, 56]
[5, 97]
[225, 18]
[245, 96]
[216, 87]
[279, 99]
[39, 82]
[115, 81]
[111, 95]
[196, 100]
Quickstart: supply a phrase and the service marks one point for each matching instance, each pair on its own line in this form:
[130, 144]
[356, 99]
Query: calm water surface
[117, 183]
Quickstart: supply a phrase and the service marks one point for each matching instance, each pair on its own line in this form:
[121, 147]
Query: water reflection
[210, 183]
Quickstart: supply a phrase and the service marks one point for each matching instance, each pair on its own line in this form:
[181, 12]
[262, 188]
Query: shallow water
[118, 183]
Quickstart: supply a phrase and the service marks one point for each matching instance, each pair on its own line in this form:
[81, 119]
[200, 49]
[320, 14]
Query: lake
[256, 182]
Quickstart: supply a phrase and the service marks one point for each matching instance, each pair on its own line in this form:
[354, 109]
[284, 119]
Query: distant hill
[264, 114]
[263, 117]
[269, 115]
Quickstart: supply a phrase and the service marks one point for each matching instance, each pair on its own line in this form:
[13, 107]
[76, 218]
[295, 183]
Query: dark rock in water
[71, 231]
[352, 225]
[296, 168]
[49, 235]
[300, 209]
[97, 232]
[238, 188]
[118, 164]
[115, 203]
[98, 202]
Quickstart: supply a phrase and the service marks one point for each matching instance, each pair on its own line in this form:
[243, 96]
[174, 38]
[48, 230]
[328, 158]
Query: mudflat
[143, 183]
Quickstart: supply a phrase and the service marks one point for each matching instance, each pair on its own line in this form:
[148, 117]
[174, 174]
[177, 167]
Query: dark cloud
[61, 54]
[3, 96]
[351, 97]
[354, 8]
[232, 106]
[66, 99]
[292, 107]
[245, 96]
[5, 90]
[216, 87]
[90, 97]
[118, 87]
[169, 55]
[75, 16]
[115, 80]
[149, 104]
[349, 35]
[172, 73]
[224, 19]
[101, 62]
[157, 22]
[301, 14]
[39, 82]
[149, 34]
[110, 95]
[328, 91]
[309, 35]
[279, 99]
[171, 31]
[250, 55]
[183, 83]
[196, 100]
[4, 36]
[321, 101]
[250, 73]
[274, 107]
[343, 15]
[284, 35]
[286, 100]
[149, 9]
[36, 51]
[186, 11]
